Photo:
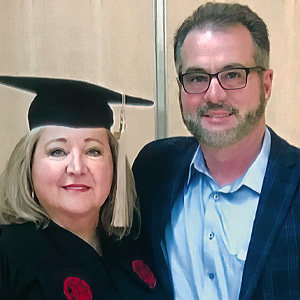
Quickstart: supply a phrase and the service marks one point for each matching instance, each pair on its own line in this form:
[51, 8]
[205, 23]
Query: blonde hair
[18, 203]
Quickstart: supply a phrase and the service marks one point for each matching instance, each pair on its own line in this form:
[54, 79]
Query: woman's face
[72, 172]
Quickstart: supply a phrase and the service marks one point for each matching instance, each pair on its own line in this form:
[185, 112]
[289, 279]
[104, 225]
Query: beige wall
[107, 42]
[283, 21]
[112, 43]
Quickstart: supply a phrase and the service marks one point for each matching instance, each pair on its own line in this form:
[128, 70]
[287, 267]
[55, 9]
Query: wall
[112, 43]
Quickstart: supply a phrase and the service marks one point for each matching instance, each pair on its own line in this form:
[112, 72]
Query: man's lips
[76, 187]
[217, 114]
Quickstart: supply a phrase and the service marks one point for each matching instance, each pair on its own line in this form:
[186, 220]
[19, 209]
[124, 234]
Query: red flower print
[77, 289]
[144, 272]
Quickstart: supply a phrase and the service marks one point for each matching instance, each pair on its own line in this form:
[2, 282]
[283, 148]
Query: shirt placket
[210, 246]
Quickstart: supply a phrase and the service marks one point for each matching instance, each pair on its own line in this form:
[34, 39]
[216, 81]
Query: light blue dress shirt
[207, 239]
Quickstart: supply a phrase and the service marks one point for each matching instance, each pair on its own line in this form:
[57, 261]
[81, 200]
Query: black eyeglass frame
[247, 70]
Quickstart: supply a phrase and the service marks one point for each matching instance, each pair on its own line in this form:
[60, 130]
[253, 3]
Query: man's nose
[215, 92]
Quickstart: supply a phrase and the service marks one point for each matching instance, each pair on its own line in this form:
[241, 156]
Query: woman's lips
[76, 187]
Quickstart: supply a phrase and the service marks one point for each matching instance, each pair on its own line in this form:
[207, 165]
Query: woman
[65, 234]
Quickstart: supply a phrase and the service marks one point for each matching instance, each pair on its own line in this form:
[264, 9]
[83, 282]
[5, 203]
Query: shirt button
[211, 276]
[216, 196]
[211, 235]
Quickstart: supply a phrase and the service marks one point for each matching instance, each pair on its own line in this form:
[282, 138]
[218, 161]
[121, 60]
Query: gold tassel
[120, 214]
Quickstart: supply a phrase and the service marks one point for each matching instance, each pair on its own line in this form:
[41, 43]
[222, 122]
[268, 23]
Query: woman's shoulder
[16, 228]
[15, 233]
[18, 241]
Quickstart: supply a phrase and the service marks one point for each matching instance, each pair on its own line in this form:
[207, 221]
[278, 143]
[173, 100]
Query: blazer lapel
[173, 188]
[278, 189]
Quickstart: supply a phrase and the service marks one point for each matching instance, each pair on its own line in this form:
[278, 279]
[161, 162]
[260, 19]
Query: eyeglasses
[231, 79]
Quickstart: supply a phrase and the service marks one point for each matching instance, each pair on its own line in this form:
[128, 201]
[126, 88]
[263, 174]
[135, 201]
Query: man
[221, 210]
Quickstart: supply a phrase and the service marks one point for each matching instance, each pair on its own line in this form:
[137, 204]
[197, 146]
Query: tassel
[120, 214]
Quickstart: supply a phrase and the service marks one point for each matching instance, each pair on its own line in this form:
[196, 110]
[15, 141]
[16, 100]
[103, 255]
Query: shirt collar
[253, 178]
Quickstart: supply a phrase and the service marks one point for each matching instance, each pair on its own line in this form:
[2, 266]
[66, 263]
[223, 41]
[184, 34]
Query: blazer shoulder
[170, 143]
[283, 151]
[164, 150]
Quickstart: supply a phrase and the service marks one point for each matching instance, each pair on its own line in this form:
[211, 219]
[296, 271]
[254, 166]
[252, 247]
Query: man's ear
[267, 83]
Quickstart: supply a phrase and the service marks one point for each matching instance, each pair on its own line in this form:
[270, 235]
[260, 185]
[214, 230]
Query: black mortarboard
[69, 103]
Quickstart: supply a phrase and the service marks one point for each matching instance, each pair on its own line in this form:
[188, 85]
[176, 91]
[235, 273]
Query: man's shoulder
[281, 147]
[168, 146]
[163, 157]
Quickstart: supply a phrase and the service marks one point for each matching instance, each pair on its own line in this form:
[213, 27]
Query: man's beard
[227, 137]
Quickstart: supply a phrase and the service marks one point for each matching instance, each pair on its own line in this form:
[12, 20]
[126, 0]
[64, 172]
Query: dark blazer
[272, 266]
[38, 264]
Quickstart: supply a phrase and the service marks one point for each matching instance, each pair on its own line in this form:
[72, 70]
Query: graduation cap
[72, 103]
[69, 103]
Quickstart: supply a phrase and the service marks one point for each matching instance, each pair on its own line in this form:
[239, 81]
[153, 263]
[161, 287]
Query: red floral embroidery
[77, 289]
[144, 272]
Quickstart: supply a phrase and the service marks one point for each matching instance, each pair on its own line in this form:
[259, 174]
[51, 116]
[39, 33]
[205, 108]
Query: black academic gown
[37, 264]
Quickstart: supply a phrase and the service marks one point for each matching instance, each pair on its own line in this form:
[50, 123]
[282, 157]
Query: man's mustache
[205, 110]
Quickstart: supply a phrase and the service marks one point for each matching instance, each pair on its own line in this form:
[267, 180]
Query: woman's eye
[57, 153]
[94, 152]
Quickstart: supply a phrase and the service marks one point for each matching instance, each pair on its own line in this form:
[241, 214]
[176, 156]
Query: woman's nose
[76, 165]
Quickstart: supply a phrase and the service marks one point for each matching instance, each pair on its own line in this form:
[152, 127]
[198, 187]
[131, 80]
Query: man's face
[218, 117]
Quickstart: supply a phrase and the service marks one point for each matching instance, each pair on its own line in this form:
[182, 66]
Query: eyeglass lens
[197, 82]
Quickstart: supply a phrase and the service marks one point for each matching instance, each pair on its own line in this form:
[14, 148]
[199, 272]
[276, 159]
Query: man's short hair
[220, 16]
